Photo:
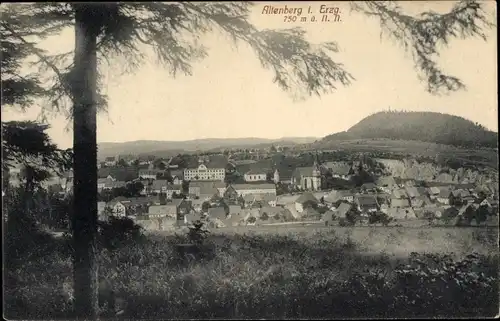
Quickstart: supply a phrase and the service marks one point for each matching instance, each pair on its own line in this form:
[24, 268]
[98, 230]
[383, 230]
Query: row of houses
[200, 192]
[152, 212]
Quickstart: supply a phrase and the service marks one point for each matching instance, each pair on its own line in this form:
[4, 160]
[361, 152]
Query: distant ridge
[155, 147]
[429, 127]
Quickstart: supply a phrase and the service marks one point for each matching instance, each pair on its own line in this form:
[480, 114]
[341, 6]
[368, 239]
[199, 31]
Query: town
[278, 187]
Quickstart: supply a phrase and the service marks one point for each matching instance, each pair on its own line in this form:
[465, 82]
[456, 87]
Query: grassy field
[394, 241]
[272, 273]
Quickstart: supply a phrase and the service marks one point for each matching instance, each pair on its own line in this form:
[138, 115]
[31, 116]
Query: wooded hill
[420, 126]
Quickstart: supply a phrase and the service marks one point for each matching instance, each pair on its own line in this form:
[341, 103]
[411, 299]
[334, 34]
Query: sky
[231, 95]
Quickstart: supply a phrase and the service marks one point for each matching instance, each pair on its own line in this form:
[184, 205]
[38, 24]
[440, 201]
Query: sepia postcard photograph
[249, 160]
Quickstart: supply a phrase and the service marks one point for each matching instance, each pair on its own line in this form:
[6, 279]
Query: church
[308, 178]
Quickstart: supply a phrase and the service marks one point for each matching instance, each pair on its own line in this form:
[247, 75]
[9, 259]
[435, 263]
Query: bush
[379, 217]
[429, 285]
[197, 232]
[345, 222]
[118, 232]
[441, 286]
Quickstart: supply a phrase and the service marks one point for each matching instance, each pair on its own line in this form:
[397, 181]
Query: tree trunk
[84, 225]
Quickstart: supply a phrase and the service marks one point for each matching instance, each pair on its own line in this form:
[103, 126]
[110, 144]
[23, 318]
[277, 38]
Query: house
[449, 213]
[192, 217]
[109, 183]
[118, 173]
[339, 169]
[384, 208]
[468, 210]
[293, 211]
[283, 200]
[399, 193]
[206, 172]
[253, 212]
[178, 208]
[310, 214]
[328, 217]
[369, 187]
[260, 199]
[172, 188]
[235, 209]
[117, 207]
[256, 175]
[367, 203]
[444, 196]
[332, 197]
[119, 184]
[437, 212]
[399, 202]
[177, 180]
[153, 224]
[305, 200]
[177, 176]
[196, 204]
[421, 201]
[242, 162]
[422, 191]
[110, 161]
[147, 183]
[307, 178]
[463, 195]
[444, 178]
[104, 183]
[138, 205]
[283, 175]
[434, 192]
[386, 183]
[402, 213]
[206, 189]
[231, 195]
[217, 213]
[101, 206]
[156, 211]
[273, 214]
[159, 186]
[255, 189]
[342, 210]
[412, 192]
[235, 219]
[341, 195]
[408, 182]
[485, 202]
[148, 173]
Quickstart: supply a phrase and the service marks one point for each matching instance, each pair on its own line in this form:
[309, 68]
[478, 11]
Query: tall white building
[205, 173]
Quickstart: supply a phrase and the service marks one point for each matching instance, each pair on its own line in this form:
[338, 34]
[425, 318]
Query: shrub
[441, 286]
[197, 232]
[117, 232]
[343, 221]
[379, 217]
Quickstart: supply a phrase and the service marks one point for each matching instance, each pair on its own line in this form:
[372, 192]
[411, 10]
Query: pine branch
[423, 34]
[39, 53]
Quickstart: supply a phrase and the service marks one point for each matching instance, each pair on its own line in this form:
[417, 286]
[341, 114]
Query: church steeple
[316, 172]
